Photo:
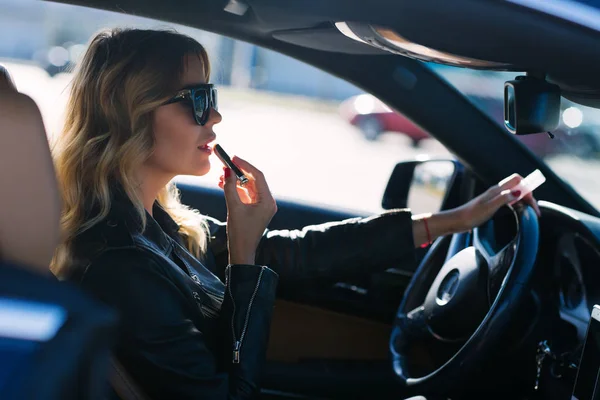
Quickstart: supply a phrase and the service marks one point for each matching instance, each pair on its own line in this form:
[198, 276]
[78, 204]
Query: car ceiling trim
[568, 10]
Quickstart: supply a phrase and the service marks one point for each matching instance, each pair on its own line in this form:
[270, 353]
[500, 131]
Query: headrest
[30, 203]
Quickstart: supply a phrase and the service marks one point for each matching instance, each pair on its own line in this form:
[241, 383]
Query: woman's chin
[201, 171]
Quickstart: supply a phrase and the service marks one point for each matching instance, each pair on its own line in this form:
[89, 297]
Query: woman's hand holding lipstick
[249, 210]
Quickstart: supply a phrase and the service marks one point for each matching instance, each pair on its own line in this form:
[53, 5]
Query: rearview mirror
[422, 186]
[531, 105]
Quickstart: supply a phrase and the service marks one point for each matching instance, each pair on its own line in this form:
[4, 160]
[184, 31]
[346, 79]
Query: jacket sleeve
[331, 251]
[160, 344]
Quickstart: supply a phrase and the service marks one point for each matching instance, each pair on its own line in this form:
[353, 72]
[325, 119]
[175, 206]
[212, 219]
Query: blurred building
[52, 36]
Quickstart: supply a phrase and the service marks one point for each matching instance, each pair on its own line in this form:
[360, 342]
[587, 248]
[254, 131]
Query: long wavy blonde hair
[123, 77]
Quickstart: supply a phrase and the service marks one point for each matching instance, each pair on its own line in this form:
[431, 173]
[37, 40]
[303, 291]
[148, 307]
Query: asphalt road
[307, 153]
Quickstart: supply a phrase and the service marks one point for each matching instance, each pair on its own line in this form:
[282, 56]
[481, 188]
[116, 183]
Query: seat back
[30, 206]
[54, 340]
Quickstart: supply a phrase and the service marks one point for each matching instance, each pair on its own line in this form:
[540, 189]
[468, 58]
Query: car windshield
[574, 152]
[277, 109]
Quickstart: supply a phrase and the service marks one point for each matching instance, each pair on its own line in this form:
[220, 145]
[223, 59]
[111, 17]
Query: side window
[318, 139]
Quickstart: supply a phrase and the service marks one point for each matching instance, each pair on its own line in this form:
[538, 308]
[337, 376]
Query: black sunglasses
[203, 97]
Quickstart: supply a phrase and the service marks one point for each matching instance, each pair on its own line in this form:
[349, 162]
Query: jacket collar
[159, 227]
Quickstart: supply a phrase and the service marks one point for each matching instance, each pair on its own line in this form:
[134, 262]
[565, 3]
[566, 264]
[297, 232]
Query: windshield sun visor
[389, 40]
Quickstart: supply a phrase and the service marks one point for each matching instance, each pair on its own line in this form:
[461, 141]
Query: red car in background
[373, 118]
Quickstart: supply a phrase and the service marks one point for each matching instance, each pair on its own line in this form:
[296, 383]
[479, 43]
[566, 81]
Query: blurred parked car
[373, 118]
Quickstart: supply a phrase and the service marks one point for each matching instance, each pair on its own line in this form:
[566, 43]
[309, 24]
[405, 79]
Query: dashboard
[571, 245]
[566, 286]
[575, 264]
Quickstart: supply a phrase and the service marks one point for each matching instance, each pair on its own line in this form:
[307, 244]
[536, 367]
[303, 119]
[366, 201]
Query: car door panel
[300, 332]
[372, 297]
[290, 215]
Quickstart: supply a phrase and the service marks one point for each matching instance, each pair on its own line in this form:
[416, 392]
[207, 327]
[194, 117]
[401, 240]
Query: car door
[325, 334]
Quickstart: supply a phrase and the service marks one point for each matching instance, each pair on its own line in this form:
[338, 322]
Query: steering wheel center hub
[448, 287]
[457, 300]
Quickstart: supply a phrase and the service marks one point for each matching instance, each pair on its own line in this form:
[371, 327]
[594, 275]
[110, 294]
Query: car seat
[54, 340]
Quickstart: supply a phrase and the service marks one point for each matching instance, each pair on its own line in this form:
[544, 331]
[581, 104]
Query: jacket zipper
[209, 291]
[237, 344]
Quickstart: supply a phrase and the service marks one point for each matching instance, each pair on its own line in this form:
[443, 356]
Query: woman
[140, 113]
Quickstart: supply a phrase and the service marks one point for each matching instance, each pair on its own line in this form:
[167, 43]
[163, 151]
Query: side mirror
[422, 186]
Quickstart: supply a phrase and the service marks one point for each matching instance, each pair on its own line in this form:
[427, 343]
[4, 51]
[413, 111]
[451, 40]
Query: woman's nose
[215, 117]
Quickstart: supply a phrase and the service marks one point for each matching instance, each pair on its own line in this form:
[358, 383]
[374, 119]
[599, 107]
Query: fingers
[229, 186]
[510, 182]
[260, 183]
[507, 183]
[245, 165]
[529, 199]
[502, 199]
[246, 194]
[508, 196]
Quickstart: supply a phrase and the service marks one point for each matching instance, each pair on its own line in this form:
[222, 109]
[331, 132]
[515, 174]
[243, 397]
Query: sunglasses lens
[201, 104]
[213, 93]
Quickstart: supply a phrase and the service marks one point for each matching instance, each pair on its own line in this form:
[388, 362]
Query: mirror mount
[531, 104]
[398, 186]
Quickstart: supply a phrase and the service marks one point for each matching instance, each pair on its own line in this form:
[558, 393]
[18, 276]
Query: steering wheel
[468, 305]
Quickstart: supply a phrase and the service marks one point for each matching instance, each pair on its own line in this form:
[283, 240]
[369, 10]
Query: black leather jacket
[184, 334]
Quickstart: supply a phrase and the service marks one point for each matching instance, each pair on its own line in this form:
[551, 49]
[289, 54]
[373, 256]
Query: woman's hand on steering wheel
[465, 294]
[483, 207]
